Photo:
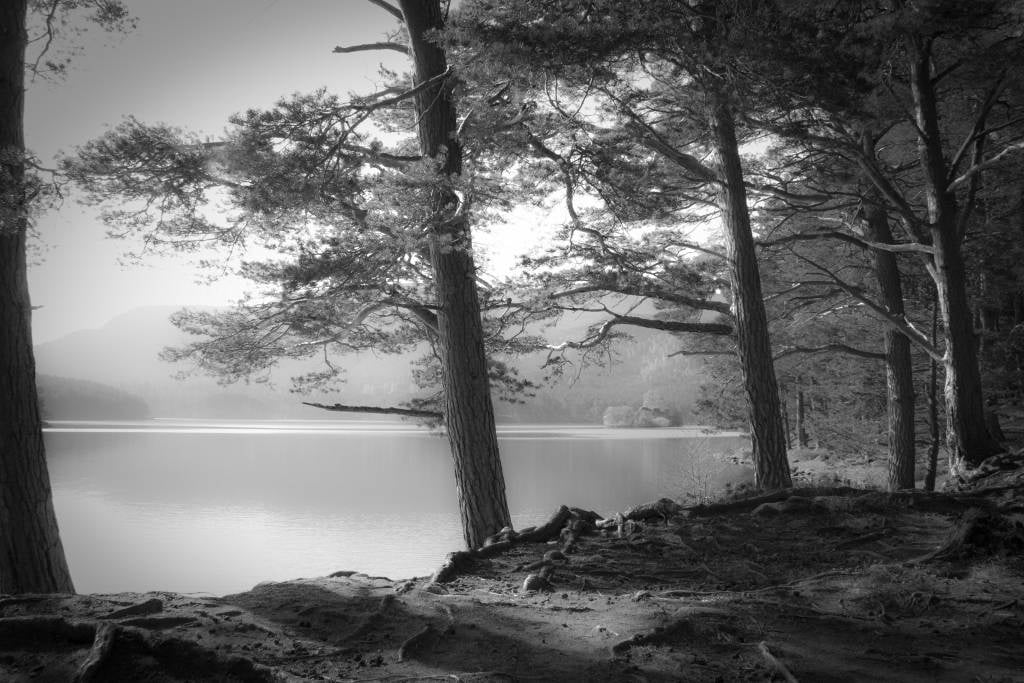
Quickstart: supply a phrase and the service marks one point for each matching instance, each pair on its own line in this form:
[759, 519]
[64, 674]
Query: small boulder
[535, 582]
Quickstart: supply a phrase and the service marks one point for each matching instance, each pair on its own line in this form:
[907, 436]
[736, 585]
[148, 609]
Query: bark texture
[768, 436]
[966, 435]
[468, 411]
[31, 555]
[801, 419]
[899, 374]
[932, 463]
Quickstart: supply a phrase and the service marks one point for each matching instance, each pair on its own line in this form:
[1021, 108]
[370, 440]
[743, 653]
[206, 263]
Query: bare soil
[809, 585]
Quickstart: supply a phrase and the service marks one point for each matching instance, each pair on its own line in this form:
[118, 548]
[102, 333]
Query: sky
[189, 63]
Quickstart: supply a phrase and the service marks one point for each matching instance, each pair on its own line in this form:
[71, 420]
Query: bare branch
[389, 8]
[685, 352]
[722, 329]
[380, 410]
[51, 14]
[604, 331]
[911, 247]
[412, 92]
[893, 195]
[897, 322]
[841, 348]
[366, 47]
[964, 218]
[647, 291]
[698, 170]
[978, 168]
[977, 131]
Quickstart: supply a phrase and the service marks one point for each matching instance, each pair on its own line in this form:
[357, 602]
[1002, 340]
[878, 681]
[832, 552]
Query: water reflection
[217, 507]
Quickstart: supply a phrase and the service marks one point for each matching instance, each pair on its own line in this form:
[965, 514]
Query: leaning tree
[31, 554]
[367, 234]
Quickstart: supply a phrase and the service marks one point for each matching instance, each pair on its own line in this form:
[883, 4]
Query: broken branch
[380, 410]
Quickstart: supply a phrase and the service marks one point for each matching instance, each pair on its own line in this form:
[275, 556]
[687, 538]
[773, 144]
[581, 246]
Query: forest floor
[810, 585]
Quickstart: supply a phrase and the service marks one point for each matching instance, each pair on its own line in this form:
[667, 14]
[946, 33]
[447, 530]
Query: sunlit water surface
[216, 507]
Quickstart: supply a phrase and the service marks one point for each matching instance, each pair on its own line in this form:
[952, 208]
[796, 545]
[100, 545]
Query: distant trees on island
[62, 398]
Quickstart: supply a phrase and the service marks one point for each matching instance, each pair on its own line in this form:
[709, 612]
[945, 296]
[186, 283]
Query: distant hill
[123, 355]
[62, 398]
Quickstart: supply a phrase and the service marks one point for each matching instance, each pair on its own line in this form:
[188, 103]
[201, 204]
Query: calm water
[197, 506]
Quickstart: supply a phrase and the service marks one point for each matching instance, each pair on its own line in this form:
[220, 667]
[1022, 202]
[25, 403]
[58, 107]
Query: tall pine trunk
[932, 464]
[767, 433]
[899, 373]
[31, 555]
[468, 411]
[801, 419]
[966, 435]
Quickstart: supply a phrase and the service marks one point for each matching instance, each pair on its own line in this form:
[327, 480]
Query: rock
[791, 504]
[535, 582]
[766, 510]
[151, 606]
[662, 508]
[555, 556]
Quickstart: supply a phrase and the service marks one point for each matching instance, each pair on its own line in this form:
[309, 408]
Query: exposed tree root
[102, 644]
[415, 641]
[29, 598]
[453, 564]
[151, 606]
[493, 549]
[547, 531]
[779, 667]
[742, 505]
[662, 508]
[979, 532]
[370, 621]
[866, 538]
[47, 627]
[659, 636]
[176, 654]
[553, 528]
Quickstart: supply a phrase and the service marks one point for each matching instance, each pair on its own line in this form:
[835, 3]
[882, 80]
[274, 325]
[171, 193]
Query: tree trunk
[968, 439]
[801, 419]
[899, 374]
[785, 419]
[771, 466]
[31, 555]
[931, 469]
[468, 411]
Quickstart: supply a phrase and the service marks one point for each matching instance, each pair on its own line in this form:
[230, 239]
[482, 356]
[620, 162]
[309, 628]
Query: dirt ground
[808, 585]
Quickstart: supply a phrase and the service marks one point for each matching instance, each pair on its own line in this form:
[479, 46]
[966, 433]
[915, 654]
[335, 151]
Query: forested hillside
[62, 398]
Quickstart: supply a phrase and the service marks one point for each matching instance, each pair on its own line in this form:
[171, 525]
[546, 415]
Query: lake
[218, 506]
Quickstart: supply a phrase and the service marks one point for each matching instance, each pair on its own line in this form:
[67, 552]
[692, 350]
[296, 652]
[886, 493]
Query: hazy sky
[190, 63]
